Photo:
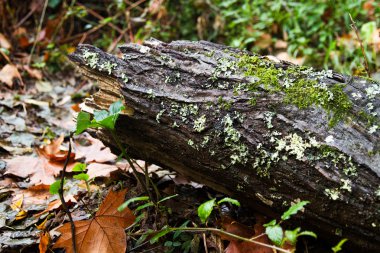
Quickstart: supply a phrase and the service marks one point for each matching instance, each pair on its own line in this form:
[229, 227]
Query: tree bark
[202, 110]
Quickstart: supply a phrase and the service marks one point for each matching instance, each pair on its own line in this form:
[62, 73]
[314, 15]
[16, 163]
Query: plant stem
[124, 153]
[366, 65]
[217, 230]
[60, 193]
[38, 31]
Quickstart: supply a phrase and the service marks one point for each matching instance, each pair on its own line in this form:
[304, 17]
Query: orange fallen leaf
[55, 204]
[236, 246]
[8, 74]
[93, 150]
[41, 169]
[100, 170]
[44, 241]
[102, 234]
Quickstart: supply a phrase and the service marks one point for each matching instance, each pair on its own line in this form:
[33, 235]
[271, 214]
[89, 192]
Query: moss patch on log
[302, 86]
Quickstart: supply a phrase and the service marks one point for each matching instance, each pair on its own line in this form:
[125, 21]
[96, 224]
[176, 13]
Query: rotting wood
[216, 114]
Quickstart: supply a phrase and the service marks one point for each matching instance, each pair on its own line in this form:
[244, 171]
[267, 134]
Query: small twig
[366, 65]
[38, 31]
[60, 193]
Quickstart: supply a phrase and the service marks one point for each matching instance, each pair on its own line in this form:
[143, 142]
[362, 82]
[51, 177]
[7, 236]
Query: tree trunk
[262, 130]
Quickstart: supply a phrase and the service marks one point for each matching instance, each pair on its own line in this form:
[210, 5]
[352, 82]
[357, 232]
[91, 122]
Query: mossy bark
[236, 122]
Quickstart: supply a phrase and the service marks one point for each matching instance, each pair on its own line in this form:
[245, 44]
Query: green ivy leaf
[275, 234]
[82, 176]
[271, 223]
[338, 247]
[116, 107]
[229, 200]
[294, 209]
[79, 167]
[100, 115]
[205, 210]
[129, 201]
[54, 187]
[83, 122]
[291, 235]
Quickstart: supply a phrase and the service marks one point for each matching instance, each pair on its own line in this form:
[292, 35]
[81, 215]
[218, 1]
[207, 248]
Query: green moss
[300, 86]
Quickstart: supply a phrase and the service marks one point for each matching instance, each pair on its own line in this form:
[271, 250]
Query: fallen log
[257, 128]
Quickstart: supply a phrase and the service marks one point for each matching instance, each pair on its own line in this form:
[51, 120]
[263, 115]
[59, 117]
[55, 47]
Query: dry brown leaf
[35, 73]
[55, 204]
[100, 170]
[4, 43]
[264, 41]
[284, 56]
[8, 74]
[44, 241]
[93, 150]
[236, 246]
[39, 169]
[102, 234]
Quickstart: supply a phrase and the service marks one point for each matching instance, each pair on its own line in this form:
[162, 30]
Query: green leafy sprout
[205, 209]
[102, 118]
[277, 234]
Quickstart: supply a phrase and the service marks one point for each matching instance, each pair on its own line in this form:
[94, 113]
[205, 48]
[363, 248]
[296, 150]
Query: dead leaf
[53, 151]
[236, 246]
[93, 150]
[284, 56]
[264, 41]
[102, 234]
[56, 204]
[44, 241]
[100, 170]
[44, 168]
[35, 73]
[8, 74]
[4, 43]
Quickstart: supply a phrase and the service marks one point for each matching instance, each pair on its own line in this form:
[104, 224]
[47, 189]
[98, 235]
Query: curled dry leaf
[8, 74]
[102, 234]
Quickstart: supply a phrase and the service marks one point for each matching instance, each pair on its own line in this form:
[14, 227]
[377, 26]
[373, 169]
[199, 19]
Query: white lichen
[346, 185]
[373, 129]
[159, 114]
[200, 124]
[295, 145]
[108, 66]
[333, 194]
[239, 151]
[91, 58]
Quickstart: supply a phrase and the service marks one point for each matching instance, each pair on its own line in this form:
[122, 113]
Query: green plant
[338, 247]
[146, 199]
[277, 234]
[81, 167]
[107, 120]
[205, 209]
